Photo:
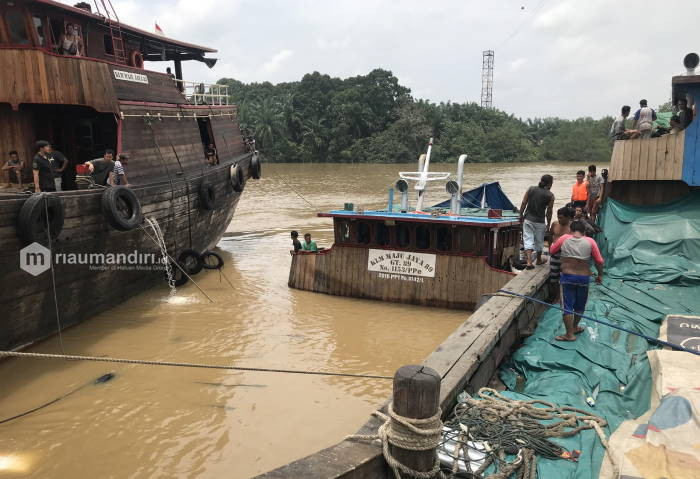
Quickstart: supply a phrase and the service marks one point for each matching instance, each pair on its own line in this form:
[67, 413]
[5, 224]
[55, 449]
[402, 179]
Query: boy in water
[576, 251]
[557, 230]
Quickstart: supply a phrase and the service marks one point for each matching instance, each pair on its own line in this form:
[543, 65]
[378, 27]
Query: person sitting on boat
[558, 229]
[13, 167]
[685, 114]
[295, 241]
[70, 42]
[535, 209]
[579, 192]
[101, 168]
[118, 176]
[576, 251]
[211, 158]
[618, 130]
[644, 119]
[42, 168]
[309, 245]
[581, 214]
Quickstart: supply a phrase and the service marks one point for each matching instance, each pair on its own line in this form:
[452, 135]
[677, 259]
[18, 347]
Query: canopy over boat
[487, 195]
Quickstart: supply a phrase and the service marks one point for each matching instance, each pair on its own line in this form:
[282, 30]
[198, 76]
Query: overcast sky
[565, 58]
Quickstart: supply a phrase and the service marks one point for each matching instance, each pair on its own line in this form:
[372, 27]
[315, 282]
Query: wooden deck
[459, 282]
[651, 159]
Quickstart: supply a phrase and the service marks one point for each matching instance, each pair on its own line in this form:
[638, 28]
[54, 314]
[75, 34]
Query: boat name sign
[401, 262]
[130, 76]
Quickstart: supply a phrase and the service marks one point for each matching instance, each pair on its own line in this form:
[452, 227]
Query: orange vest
[579, 192]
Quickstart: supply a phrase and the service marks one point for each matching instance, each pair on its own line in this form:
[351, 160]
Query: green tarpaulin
[652, 259]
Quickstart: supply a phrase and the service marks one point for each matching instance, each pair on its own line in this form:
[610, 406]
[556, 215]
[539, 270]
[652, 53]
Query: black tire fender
[180, 278]
[207, 195]
[191, 261]
[121, 208]
[32, 222]
[255, 166]
[237, 178]
[212, 254]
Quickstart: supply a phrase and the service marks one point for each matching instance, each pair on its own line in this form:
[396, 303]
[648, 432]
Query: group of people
[571, 246]
[49, 168]
[307, 245]
[644, 117]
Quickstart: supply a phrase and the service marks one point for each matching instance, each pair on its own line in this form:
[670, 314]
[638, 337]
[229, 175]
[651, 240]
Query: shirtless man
[557, 230]
[576, 250]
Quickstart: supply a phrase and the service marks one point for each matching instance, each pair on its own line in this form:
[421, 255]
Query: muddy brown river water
[152, 421]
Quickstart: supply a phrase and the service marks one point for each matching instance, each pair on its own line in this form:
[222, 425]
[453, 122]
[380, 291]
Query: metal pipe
[390, 207]
[421, 162]
[404, 201]
[420, 187]
[460, 171]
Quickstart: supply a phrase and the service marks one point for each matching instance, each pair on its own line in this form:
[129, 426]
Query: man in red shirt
[576, 251]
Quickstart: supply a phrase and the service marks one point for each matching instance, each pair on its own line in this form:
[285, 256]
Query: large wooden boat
[448, 255]
[103, 98]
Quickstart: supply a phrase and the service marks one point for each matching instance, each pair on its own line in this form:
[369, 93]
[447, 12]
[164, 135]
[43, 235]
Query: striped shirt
[118, 170]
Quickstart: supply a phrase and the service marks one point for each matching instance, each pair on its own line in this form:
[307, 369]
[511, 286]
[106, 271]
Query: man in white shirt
[644, 119]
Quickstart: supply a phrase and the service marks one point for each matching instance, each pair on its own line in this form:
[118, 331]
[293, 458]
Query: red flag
[159, 30]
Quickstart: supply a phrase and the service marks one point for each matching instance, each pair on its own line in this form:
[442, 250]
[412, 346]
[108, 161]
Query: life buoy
[255, 166]
[237, 178]
[191, 261]
[208, 256]
[121, 208]
[136, 59]
[32, 223]
[207, 195]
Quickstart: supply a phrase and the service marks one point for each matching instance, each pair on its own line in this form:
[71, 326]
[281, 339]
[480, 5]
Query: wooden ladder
[115, 30]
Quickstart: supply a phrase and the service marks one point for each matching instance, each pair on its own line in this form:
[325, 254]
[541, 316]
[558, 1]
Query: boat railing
[199, 93]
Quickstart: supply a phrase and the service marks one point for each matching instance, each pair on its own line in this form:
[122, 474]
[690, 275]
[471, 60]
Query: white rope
[160, 241]
[409, 434]
[53, 274]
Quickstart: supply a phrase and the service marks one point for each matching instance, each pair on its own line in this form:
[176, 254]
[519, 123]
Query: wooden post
[416, 396]
[178, 75]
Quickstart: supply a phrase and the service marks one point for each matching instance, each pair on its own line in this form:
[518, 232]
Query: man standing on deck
[535, 209]
[644, 119]
[579, 192]
[576, 251]
[559, 228]
[42, 168]
[594, 186]
[101, 168]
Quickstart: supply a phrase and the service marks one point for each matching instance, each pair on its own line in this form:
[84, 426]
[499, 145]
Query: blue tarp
[495, 198]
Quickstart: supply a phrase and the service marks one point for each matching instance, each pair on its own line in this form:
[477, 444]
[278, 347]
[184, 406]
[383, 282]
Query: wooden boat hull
[459, 282]
[27, 302]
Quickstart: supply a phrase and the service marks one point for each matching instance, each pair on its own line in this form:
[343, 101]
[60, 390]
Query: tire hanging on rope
[212, 260]
[237, 178]
[207, 195]
[255, 166]
[191, 260]
[121, 208]
[32, 220]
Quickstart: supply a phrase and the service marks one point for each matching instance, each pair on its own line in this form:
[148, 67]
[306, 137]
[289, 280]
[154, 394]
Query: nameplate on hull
[130, 76]
[404, 263]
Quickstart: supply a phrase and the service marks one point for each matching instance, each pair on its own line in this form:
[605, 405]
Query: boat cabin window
[109, 45]
[403, 235]
[344, 232]
[467, 240]
[17, 28]
[363, 233]
[444, 238]
[382, 234]
[423, 237]
[39, 27]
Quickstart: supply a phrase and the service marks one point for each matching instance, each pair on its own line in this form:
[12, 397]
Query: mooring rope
[677, 347]
[53, 274]
[511, 426]
[406, 433]
[106, 359]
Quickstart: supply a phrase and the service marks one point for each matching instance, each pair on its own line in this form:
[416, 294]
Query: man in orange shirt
[579, 193]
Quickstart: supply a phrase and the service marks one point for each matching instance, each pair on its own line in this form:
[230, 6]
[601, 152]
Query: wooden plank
[644, 160]
[633, 167]
[670, 155]
[677, 171]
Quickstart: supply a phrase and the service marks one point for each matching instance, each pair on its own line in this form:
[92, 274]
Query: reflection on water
[164, 421]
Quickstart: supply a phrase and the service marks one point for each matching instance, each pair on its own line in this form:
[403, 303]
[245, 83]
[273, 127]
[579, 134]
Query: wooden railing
[648, 159]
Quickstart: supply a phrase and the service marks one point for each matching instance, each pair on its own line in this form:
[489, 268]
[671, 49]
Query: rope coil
[409, 434]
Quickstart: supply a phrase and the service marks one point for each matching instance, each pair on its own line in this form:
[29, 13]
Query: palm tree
[266, 120]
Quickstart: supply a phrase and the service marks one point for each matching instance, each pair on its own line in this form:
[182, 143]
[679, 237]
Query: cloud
[274, 63]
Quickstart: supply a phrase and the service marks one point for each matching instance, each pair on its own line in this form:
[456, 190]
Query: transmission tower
[487, 80]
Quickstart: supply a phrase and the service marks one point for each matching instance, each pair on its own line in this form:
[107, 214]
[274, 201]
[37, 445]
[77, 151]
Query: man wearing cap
[42, 168]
